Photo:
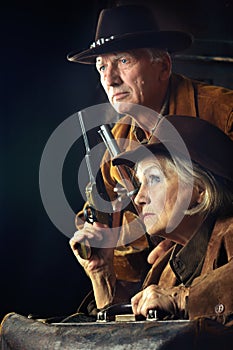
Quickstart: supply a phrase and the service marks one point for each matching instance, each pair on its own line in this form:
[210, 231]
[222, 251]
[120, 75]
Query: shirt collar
[187, 261]
[139, 132]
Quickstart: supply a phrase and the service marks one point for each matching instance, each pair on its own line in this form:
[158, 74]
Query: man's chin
[123, 107]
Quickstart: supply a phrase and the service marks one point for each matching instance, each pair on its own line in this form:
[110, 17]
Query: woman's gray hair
[218, 193]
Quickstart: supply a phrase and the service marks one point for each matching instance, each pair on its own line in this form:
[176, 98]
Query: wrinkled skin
[171, 301]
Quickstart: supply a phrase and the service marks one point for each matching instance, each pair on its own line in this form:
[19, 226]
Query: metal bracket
[123, 313]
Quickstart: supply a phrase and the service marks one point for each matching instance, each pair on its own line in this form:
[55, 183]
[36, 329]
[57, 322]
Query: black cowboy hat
[187, 137]
[129, 27]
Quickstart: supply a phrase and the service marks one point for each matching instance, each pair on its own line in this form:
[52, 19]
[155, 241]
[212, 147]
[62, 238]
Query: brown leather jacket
[211, 292]
[187, 97]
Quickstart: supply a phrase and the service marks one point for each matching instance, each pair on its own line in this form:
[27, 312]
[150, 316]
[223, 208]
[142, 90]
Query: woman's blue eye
[153, 179]
[102, 68]
[124, 60]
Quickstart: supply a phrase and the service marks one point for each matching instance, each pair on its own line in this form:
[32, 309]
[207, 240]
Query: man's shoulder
[208, 91]
[219, 93]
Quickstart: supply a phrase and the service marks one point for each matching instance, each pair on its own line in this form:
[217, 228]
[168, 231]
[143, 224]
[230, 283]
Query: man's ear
[166, 67]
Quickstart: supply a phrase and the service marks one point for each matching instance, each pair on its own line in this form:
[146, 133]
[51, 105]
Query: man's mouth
[119, 96]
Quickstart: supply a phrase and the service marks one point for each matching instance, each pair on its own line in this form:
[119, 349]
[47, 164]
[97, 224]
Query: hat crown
[125, 19]
[129, 27]
[206, 144]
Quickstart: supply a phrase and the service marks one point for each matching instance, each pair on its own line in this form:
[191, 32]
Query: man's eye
[101, 68]
[124, 60]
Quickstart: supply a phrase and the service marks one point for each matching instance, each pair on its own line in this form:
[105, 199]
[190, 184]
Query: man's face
[132, 77]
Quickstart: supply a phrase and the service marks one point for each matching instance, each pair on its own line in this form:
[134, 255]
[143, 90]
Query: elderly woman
[186, 195]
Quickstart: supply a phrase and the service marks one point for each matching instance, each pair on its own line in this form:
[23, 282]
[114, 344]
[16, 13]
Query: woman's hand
[100, 266]
[170, 301]
[159, 251]
[103, 241]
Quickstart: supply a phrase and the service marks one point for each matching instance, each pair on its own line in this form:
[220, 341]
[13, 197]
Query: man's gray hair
[157, 54]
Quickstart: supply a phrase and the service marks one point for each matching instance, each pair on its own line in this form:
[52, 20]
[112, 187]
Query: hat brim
[202, 142]
[172, 41]
[131, 158]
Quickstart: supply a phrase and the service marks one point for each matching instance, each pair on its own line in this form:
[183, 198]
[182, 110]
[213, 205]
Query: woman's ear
[200, 194]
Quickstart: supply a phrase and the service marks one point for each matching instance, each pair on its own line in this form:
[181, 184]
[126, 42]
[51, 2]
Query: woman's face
[158, 198]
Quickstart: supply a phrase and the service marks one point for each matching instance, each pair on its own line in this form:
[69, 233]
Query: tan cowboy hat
[186, 136]
[129, 27]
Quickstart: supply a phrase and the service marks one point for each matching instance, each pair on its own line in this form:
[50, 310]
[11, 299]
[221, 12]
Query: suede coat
[187, 97]
[211, 293]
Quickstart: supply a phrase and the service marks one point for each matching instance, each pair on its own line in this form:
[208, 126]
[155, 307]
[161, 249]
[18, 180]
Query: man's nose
[112, 76]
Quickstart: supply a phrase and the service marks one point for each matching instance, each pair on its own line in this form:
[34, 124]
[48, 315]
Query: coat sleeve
[211, 294]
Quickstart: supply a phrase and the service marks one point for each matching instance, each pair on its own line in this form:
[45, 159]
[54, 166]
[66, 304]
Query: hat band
[101, 41]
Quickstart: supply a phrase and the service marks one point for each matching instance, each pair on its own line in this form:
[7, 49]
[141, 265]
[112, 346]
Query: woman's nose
[142, 196]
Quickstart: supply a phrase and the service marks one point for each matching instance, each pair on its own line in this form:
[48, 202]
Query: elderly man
[133, 59]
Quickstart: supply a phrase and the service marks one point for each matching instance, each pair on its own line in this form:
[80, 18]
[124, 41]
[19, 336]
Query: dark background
[39, 90]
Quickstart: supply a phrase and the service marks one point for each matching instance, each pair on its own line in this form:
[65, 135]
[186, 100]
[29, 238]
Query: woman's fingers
[89, 232]
[146, 300]
[159, 251]
[99, 238]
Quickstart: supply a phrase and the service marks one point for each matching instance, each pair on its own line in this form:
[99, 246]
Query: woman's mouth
[147, 216]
